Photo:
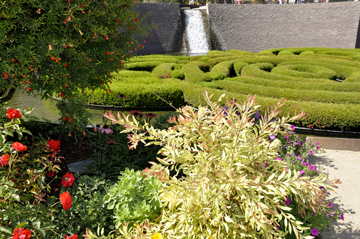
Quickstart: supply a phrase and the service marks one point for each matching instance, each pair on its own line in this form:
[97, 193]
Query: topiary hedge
[323, 82]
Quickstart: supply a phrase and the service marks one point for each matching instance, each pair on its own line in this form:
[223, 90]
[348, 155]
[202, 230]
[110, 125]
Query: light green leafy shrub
[234, 187]
[134, 198]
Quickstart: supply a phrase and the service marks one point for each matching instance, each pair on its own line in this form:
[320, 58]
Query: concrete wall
[167, 37]
[256, 27]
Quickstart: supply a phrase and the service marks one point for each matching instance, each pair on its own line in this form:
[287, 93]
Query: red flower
[108, 53]
[106, 37]
[12, 60]
[19, 146]
[65, 65]
[136, 20]
[4, 160]
[118, 21]
[66, 200]
[54, 145]
[12, 113]
[21, 233]
[136, 113]
[28, 89]
[141, 46]
[5, 75]
[73, 236]
[64, 118]
[51, 174]
[70, 119]
[151, 115]
[52, 58]
[62, 94]
[68, 180]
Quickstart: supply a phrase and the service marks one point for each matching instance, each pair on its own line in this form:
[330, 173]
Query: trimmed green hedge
[307, 78]
[221, 70]
[164, 70]
[194, 72]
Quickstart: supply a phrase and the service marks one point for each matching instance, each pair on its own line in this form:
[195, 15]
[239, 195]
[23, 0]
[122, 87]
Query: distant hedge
[323, 82]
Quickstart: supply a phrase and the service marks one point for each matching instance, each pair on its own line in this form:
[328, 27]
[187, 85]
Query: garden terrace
[322, 82]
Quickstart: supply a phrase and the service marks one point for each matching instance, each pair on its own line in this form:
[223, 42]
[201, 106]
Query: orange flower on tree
[66, 200]
[12, 113]
[73, 236]
[4, 160]
[21, 233]
[54, 145]
[68, 180]
[19, 146]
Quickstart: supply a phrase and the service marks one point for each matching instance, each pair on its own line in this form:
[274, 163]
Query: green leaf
[6, 230]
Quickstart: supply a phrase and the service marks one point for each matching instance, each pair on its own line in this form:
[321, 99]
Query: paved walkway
[345, 165]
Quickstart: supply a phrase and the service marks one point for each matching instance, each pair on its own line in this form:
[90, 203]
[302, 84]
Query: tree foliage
[62, 46]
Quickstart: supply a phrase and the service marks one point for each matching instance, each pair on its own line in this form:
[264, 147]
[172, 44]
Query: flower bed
[198, 179]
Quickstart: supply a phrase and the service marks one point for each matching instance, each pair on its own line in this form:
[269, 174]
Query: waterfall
[195, 37]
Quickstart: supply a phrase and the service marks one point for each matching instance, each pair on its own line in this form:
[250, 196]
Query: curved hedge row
[323, 82]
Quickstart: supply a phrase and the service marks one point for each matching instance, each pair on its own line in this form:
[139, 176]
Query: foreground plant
[234, 185]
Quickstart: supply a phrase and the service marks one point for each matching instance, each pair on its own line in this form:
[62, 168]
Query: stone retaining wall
[258, 27]
[167, 18]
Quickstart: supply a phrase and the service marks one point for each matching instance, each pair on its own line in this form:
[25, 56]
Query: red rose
[51, 174]
[21, 233]
[73, 236]
[12, 113]
[68, 180]
[19, 146]
[66, 200]
[4, 160]
[54, 145]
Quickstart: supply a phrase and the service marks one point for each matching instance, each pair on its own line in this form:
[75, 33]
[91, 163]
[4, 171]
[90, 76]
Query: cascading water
[195, 37]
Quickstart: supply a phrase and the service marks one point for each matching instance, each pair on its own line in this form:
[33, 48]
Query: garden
[226, 163]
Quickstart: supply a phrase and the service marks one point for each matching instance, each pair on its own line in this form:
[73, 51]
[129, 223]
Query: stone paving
[343, 164]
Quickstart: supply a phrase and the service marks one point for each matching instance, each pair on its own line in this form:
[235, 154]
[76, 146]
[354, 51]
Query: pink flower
[331, 205]
[105, 129]
[292, 127]
[342, 216]
[312, 167]
[315, 232]
[287, 202]
[311, 152]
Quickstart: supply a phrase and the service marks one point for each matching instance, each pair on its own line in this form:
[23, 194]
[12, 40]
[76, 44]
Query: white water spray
[196, 40]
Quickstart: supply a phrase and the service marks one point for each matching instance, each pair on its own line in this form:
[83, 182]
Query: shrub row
[309, 85]
[294, 94]
[319, 115]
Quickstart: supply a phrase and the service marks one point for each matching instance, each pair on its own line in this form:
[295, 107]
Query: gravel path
[346, 166]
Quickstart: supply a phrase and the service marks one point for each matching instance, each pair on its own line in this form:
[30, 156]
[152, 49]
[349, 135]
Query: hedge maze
[323, 82]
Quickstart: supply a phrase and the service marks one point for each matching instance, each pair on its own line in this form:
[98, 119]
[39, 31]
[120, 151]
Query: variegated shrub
[233, 185]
